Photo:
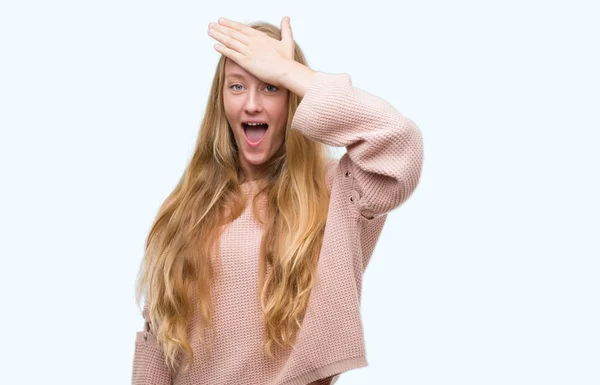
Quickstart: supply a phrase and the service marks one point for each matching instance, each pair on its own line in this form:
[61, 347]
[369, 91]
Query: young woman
[253, 267]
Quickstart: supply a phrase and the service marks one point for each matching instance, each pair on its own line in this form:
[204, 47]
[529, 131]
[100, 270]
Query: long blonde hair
[177, 267]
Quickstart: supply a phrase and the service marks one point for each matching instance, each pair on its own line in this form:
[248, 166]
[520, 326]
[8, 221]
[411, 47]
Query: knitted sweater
[379, 171]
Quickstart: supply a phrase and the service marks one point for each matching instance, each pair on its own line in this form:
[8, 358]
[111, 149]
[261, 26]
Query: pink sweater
[379, 171]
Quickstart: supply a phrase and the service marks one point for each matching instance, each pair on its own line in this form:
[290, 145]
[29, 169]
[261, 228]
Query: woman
[253, 267]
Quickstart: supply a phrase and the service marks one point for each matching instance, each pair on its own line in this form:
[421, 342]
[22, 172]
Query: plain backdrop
[488, 274]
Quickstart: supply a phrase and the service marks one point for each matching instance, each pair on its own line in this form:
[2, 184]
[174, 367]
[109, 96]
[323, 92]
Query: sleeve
[385, 148]
[330, 168]
[149, 365]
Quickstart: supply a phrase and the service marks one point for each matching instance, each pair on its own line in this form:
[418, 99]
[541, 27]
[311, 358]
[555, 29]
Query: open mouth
[254, 132]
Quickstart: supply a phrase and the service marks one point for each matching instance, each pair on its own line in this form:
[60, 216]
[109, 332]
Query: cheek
[227, 104]
[278, 110]
[231, 111]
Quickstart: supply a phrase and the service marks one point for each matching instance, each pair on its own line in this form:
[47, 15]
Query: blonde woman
[252, 272]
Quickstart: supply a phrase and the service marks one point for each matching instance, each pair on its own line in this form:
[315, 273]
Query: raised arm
[385, 147]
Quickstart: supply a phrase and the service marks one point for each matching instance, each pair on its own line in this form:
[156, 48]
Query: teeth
[254, 124]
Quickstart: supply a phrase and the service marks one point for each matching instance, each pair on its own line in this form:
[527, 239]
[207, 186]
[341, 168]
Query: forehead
[233, 70]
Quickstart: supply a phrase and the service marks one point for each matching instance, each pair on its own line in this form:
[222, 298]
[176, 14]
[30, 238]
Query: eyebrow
[241, 76]
[235, 75]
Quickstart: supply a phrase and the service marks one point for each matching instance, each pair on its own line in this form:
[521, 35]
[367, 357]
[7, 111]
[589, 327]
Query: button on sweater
[378, 172]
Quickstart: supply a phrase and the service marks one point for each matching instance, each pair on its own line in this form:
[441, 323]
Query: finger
[238, 26]
[228, 41]
[286, 30]
[230, 32]
[233, 55]
[287, 38]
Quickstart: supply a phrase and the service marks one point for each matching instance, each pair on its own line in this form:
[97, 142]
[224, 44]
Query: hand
[261, 55]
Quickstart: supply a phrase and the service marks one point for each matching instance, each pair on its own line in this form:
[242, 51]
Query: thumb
[286, 30]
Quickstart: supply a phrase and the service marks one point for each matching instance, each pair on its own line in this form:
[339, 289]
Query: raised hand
[261, 55]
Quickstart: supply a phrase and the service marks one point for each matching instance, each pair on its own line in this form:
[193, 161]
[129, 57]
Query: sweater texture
[378, 172]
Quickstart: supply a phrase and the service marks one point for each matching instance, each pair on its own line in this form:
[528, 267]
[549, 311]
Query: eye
[275, 88]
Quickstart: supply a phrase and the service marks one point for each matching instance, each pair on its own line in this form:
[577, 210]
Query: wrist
[297, 77]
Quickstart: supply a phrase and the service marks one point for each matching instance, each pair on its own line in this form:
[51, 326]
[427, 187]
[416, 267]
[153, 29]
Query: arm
[149, 365]
[385, 148]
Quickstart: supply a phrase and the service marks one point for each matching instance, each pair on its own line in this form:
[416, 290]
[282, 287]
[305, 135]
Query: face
[246, 98]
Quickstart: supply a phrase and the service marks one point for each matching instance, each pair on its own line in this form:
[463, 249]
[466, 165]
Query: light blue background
[487, 275]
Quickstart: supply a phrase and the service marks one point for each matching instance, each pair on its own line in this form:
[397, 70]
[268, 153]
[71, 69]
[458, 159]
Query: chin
[256, 159]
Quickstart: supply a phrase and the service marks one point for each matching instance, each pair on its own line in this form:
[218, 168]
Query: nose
[253, 102]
